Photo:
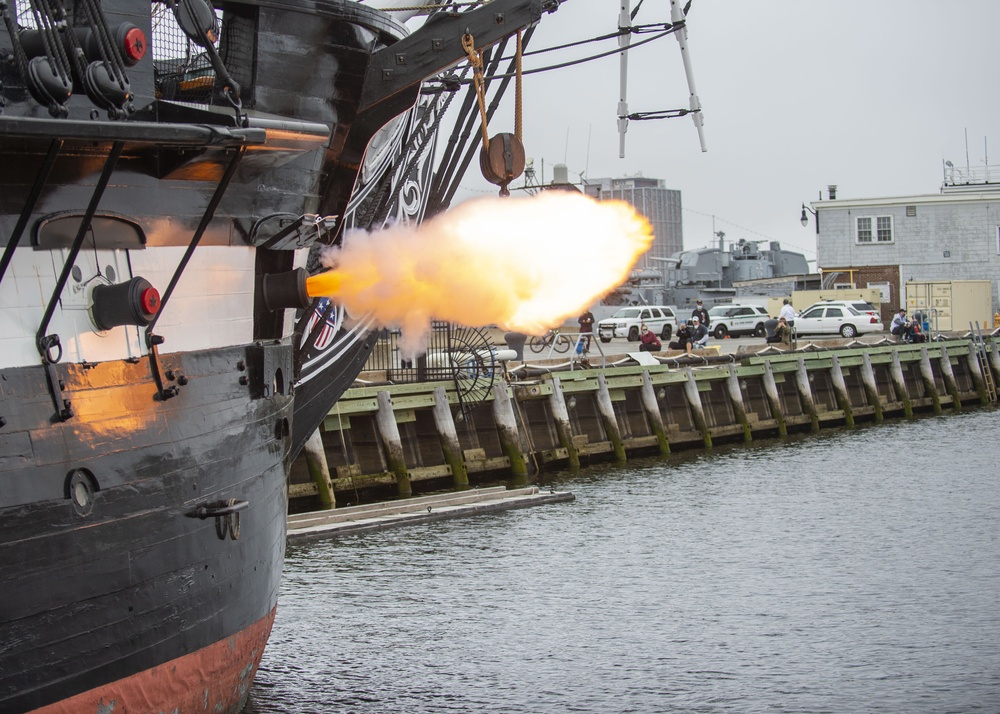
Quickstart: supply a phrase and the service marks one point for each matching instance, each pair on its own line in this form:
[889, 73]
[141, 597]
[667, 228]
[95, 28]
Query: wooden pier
[397, 439]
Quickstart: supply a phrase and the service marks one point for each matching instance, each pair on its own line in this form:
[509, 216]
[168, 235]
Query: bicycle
[552, 338]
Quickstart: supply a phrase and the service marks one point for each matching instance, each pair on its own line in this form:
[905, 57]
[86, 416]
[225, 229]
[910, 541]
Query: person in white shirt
[787, 312]
[900, 326]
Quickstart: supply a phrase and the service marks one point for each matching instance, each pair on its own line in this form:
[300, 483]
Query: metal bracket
[63, 406]
[153, 340]
[226, 515]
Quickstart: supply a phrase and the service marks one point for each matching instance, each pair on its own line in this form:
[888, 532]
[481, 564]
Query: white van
[627, 321]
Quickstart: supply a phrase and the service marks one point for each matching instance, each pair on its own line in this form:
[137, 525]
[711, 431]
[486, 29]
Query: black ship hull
[143, 461]
[105, 567]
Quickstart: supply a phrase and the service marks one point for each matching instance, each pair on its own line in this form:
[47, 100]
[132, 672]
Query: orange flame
[524, 264]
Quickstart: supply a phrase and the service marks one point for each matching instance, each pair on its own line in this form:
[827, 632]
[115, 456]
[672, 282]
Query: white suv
[737, 320]
[627, 321]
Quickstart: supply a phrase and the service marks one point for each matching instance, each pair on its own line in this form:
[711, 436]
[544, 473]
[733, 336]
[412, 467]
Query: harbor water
[852, 571]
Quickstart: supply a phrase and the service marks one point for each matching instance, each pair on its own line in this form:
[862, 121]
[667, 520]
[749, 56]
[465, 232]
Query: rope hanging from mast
[501, 159]
[476, 60]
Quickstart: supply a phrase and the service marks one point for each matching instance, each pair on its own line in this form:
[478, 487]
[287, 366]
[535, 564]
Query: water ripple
[855, 571]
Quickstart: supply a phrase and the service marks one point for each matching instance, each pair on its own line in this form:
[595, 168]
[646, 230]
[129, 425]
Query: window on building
[874, 229]
[864, 229]
[884, 226]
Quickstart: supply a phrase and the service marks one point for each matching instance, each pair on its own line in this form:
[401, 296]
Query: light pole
[804, 219]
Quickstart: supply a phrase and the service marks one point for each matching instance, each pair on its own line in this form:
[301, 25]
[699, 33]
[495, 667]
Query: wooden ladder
[979, 344]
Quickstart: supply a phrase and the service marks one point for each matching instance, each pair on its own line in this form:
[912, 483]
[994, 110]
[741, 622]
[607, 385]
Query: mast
[624, 41]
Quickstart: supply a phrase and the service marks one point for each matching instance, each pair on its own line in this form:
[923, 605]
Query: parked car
[627, 321]
[735, 320]
[832, 317]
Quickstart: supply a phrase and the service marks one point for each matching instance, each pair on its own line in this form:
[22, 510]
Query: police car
[627, 321]
[735, 320]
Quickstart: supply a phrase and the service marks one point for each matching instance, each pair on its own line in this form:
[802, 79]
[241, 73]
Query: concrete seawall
[397, 439]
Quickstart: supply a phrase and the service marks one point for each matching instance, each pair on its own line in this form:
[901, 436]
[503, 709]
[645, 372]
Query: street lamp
[804, 220]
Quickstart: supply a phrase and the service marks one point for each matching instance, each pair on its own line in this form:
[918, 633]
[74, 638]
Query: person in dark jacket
[586, 321]
[682, 338]
[701, 313]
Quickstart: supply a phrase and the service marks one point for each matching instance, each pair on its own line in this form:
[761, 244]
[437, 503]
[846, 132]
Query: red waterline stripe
[216, 678]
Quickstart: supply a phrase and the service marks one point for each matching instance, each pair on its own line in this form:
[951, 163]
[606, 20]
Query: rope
[441, 6]
[20, 59]
[476, 60]
[571, 63]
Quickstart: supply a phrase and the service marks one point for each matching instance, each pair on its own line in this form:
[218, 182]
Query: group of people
[690, 335]
[693, 334]
[782, 333]
[905, 329]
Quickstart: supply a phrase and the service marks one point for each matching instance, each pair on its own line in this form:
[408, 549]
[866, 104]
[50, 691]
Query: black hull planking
[92, 598]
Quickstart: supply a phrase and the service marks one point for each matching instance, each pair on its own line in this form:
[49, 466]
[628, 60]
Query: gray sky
[871, 95]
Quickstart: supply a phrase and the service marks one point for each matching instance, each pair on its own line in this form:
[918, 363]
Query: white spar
[677, 15]
[624, 40]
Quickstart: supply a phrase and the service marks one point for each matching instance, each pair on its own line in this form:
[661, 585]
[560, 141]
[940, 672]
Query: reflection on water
[853, 571]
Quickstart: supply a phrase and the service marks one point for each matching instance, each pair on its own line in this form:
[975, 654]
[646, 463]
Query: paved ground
[617, 347]
[622, 346]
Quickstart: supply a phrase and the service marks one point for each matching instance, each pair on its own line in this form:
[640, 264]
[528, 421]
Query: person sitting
[650, 342]
[682, 338]
[782, 333]
[916, 334]
[699, 335]
[900, 326]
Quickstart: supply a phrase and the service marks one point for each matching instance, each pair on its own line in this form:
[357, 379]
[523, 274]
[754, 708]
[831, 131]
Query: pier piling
[774, 400]
[693, 397]
[508, 435]
[948, 376]
[451, 448]
[652, 410]
[607, 411]
[899, 385]
[319, 469]
[392, 444]
[927, 377]
[804, 387]
[560, 418]
[870, 387]
[840, 391]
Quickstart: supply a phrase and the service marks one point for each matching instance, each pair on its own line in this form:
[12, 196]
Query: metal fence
[461, 355]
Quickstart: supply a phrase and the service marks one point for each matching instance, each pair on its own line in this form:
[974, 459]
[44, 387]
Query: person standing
[787, 312]
[701, 313]
[586, 321]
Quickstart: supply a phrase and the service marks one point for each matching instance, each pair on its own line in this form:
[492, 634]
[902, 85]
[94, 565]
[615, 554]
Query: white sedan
[836, 319]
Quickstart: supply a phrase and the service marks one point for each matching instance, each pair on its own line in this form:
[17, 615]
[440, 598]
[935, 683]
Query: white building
[886, 242]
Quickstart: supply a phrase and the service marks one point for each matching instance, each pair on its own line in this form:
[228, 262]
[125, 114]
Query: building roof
[970, 193]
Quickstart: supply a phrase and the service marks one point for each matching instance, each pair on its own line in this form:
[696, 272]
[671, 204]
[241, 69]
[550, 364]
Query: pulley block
[502, 161]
